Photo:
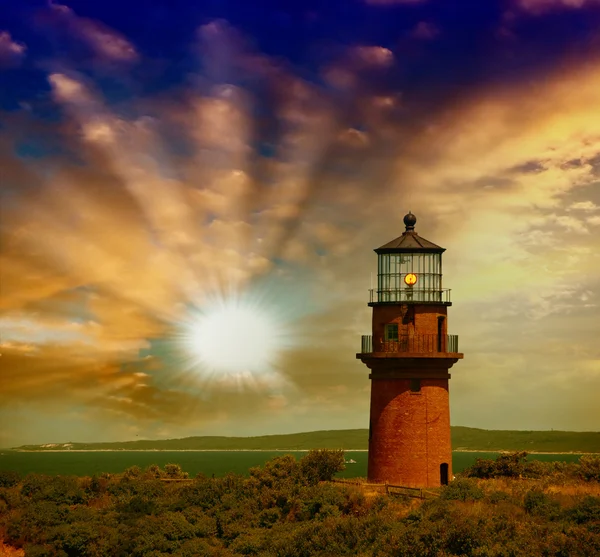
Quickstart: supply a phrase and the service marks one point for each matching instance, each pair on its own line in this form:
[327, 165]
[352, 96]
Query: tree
[174, 471]
[320, 465]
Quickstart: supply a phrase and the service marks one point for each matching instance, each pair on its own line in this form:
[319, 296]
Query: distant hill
[463, 439]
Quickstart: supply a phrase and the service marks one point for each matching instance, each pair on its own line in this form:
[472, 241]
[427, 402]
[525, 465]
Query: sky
[191, 192]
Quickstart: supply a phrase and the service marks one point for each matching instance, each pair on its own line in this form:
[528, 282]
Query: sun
[235, 335]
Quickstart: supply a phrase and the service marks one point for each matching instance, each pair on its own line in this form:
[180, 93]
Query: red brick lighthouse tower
[409, 354]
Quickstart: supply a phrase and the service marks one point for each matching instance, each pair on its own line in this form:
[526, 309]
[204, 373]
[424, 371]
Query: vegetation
[290, 508]
[468, 438]
[463, 438]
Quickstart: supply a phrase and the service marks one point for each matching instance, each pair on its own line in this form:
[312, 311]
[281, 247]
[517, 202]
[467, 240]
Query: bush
[512, 465]
[538, 503]
[132, 473]
[154, 472]
[276, 472]
[59, 489]
[589, 468]
[587, 510]
[9, 478]
[268, 517]
[498, 496]
[462, 489]
[321, 465]
[174, 471]
[284, 509]
[138, 505]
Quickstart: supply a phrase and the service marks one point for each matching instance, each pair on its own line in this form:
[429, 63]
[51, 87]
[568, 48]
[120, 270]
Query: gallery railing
[411, 343]
[391, 295]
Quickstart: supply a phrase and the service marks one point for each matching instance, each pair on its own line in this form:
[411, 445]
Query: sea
[217, 463]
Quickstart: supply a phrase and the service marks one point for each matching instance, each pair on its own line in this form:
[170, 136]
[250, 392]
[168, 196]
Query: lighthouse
[409, 355]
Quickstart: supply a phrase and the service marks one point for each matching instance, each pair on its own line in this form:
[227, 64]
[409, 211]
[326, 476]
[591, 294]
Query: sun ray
[237, 339]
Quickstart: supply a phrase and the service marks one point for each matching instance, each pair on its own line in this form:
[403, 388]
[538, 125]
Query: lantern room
[409, 269]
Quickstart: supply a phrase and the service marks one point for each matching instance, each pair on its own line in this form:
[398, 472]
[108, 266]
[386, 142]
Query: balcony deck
[429, 346]
[416, 295]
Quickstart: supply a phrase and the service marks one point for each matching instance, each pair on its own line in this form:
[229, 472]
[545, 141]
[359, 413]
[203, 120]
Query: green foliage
[39, 550]
[515, 465]
[59, 489]
[285, 509]
[268, 517]
[321, 465]
[278, 471]
[154, 472]
[541, 504]
[174, 471]
[132, 473]
[138, 505]
[10, 497]
[496, 497]
[589, 468]
[462, 489]
[142, 487]
[586, 511]
[9, 478]
[511, 465]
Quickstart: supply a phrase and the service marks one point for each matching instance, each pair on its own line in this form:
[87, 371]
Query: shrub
[9, 478]
[38, 550]
[268, 517]
[498, 496]
[138, 505]
[276, 472]
[538, 503]
[462, 489]
[78, 539]
[154, 472]
[174, 471]
[586, 510]
[589, 467]
[321, 465]
[11, 497]
[59, 489]
[95, 486]
[511, 465]
[132, 473]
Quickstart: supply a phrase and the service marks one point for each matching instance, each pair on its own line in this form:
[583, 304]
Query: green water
[218, 463]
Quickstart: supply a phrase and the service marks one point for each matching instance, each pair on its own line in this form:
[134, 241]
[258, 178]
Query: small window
[391, 332]
[415, 385]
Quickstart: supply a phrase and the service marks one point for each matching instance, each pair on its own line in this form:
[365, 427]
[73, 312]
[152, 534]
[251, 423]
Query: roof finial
[410, 220]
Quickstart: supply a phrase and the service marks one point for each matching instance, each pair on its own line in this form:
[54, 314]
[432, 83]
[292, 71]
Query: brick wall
[418, 319]
[409, 431]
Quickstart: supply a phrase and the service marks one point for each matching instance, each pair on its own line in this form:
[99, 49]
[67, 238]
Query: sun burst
[237, 336]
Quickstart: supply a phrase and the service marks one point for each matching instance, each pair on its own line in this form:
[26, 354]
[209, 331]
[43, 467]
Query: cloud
[106, 43]
[11, 52]
[588, 206]
[425, 30]
[288, 183]
[372, 56]
[542, 6]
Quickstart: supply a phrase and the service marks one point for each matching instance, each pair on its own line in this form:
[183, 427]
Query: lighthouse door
[444, 473]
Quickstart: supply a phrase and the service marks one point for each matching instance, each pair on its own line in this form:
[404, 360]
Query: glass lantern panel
[393, 269]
